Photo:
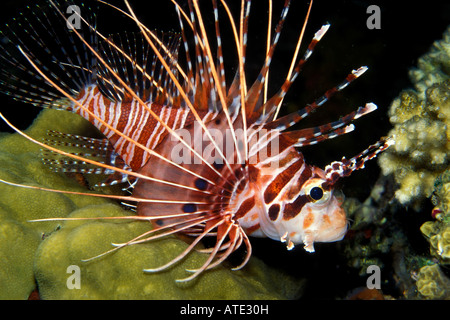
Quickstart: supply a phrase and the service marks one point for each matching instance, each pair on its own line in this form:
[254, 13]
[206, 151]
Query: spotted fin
[90, 148]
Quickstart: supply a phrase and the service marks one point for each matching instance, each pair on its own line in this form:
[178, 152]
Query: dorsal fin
[129, 54]
[42, 33]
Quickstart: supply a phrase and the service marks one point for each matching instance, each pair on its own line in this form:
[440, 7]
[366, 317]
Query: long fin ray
[78, 104]
[68, 154]
[185, 98]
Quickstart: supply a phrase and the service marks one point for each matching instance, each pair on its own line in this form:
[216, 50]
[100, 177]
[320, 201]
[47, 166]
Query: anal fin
[99, 150]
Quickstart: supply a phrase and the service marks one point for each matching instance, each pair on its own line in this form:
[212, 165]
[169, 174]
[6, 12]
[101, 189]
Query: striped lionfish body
[202, 155]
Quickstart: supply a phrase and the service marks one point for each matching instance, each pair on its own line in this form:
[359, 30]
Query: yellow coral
[405, 107]
[432, 283]
[433, 67]
[438, 234]
[422, 150]
[421, 120]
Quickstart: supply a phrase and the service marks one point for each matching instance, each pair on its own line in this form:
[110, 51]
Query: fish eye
[316, 193]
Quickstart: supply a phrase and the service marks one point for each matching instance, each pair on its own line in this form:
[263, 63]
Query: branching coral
[433, 67]
[421, 120]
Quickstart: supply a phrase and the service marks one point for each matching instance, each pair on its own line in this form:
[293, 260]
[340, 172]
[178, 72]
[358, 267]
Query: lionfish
[202, 154]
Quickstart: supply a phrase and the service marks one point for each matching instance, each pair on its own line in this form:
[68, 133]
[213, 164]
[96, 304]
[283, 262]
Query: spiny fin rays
[132, 93]
[289, 120]
[135, 174]
[187, 101]
[253, 96]
[217, 81]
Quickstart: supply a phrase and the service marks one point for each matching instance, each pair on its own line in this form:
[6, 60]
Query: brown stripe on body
[123, 123]
[126, 126]
[138, 159]
[245, 207]
[241, 186]
[129, 126]
[164, 112]
[273, 189]
[141, 156]
[123, 117]
[293, 209]
[91, 94]
[109, 118]
[135, 159]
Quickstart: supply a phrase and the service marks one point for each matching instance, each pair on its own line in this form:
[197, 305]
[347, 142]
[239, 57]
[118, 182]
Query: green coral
[421, 120]
[120, 275]
[40, 252]
[17, 247]
[19, 239]
[416, 168]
